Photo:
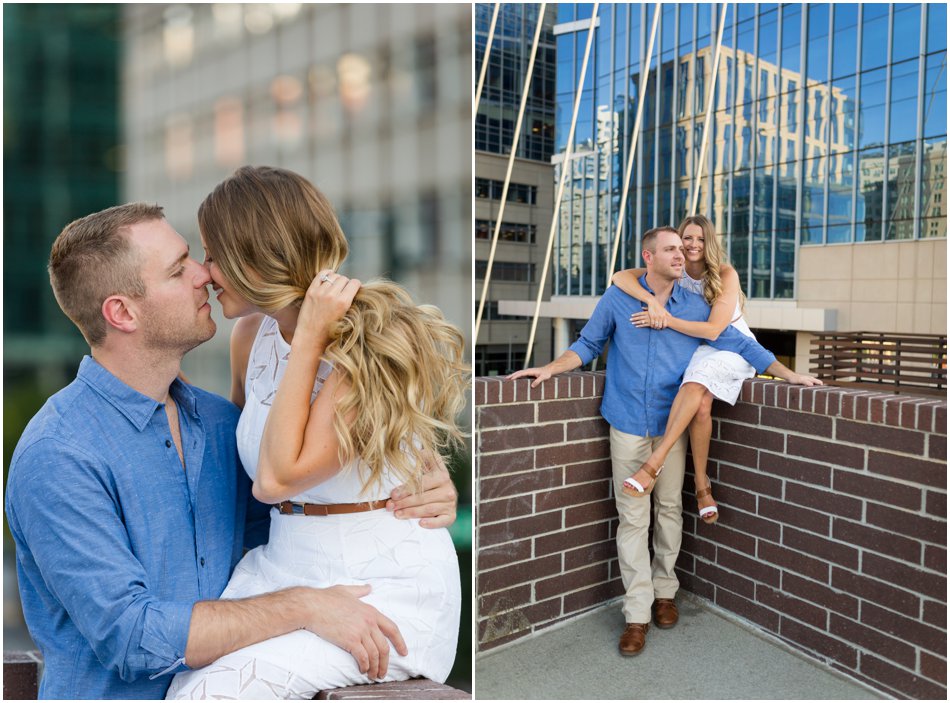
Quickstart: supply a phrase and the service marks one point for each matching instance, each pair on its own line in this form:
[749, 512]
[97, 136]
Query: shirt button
[168, 443]
[202, 561]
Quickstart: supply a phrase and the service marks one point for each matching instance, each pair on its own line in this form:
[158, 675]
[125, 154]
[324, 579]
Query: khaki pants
[641, 581]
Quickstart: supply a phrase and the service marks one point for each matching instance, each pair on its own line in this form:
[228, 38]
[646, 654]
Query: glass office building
[828, 126]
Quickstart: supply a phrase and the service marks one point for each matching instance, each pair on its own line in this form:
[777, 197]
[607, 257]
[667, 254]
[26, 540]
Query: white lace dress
[722, 372]
[413, 572]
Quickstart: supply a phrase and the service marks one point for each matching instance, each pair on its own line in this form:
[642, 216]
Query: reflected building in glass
[370, 102]
[824, 169]
[515, 275]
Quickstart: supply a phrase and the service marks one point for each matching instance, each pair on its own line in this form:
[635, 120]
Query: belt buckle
[297, 509]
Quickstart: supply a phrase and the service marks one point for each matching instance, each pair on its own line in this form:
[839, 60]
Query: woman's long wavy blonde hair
[270, 231]
[713, 258]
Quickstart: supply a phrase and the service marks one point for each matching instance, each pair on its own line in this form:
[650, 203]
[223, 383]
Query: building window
[517, 192]
[510, 231]
[506, 271]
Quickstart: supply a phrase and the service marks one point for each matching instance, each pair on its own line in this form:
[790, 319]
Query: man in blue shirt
[126, 498]
[644, 371]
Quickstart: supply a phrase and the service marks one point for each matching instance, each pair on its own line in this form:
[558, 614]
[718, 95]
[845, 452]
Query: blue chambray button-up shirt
[115, 540]
[645, 366]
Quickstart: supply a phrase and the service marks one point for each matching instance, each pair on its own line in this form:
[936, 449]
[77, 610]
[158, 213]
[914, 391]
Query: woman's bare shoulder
[243, 334]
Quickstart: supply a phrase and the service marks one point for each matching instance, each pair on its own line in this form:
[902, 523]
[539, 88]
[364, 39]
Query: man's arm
[568, 361]
[336, 614]
[66, 520]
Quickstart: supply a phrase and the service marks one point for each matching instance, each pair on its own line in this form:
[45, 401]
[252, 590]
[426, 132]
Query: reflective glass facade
[504, 81]
[828, 126]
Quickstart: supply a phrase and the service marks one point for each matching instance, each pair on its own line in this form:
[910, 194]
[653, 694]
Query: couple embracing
[127, 498]
[661, 380]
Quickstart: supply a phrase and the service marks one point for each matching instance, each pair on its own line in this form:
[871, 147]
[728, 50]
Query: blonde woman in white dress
[347, 391]
[712, 373]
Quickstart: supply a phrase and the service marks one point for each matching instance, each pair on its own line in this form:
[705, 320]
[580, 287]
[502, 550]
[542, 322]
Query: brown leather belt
[315, 509]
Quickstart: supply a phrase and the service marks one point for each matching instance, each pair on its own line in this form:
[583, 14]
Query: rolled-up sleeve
[733, 340]
[69, 528]
[596, 332]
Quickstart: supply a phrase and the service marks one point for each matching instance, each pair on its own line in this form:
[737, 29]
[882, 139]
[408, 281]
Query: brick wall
[832, 536]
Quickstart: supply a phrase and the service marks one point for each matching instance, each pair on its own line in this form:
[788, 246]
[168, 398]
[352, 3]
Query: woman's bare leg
[700, 435]
[684, 409]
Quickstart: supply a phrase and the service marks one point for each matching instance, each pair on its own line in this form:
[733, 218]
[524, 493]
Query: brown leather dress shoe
[633, 638]
[665, 614]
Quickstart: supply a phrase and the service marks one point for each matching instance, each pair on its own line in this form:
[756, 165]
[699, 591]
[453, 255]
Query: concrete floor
[708, 655]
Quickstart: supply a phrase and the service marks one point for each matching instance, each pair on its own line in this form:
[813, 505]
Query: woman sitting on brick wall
[711, 372]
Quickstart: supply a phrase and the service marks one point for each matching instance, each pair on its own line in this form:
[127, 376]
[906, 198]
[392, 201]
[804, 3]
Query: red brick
[794, 469]
[603, 510]
[792, 607]
[733, 539]
[833, 396]
[928, 584]
[519, 437]
[751, 481]
[698, 547]
[504, 415]
[753, 568]
[750, 524]
[880, 540]
[795, 562]
[689, 582]
[940, 418]
[524, 482]
[925, 416]
[573, 453]
[567, 539]
[571, 581]
[877, 404]
[504, 463]
[752, 436]
[936, 504]
[891, 492]
[748, 609]
[725, 579]
[728, 497]
[500, 601]
[523, 619]
[505, 509]
[804, 423]
[892, 410]
[908, 419]
[788, 514]
[835, 552]
[479, 385]
[572, 409]
[502, 554]
[587, 429]
[819, 642]
[896, 650]
[590, 554]
[595, 595]
[600, 382]
[507, 391]
[935, 614]
[734, 454]
[826, 452]
[740, 412]
[588, 471]
[937, 447]
[826, 501]
[907, 629]
[492, 391]
[890, 438]
[522, 572]
[486, 630]
[916, 470]
[576, 494]
[935, 558]
[512, 530]
[820, 595]
[906, 682]
[870, 589]
[904, 523]
[934, 668]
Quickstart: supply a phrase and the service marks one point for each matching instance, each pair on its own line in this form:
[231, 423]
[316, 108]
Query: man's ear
[647, 256]
[120, 313]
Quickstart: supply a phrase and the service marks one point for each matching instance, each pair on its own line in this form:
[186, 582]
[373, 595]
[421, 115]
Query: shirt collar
[676, 295]
[137, 407]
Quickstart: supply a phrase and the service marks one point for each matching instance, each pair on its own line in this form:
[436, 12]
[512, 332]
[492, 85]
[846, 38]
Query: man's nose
[202, 274]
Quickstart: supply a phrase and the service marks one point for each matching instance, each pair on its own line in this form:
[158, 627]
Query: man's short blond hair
[92, 259]
[649, 237]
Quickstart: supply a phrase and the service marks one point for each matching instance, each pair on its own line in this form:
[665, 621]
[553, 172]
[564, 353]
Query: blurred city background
[106, 104]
